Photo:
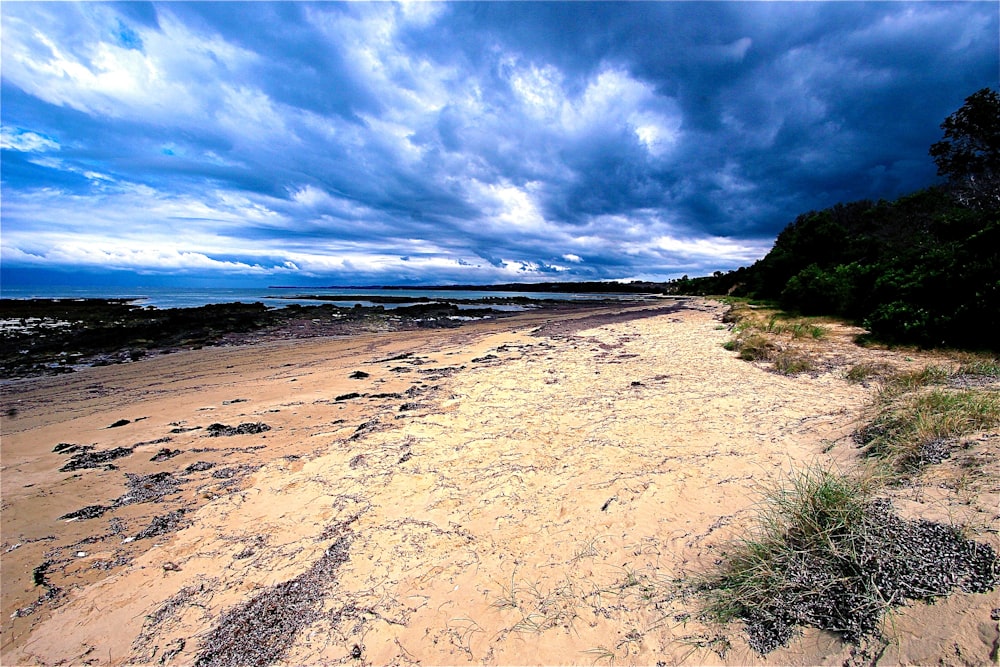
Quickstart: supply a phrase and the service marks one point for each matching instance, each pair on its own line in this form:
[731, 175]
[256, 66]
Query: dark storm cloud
[463, 141]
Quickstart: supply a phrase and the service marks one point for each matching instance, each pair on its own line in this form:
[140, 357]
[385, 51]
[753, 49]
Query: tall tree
[969, 155]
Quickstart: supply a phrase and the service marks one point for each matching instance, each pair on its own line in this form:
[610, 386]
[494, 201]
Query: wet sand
[536, 490]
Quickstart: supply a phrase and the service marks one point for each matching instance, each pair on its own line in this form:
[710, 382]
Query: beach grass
[756, 332]
[826, 551]
[788, 362]
[862, 372]
[914, 428]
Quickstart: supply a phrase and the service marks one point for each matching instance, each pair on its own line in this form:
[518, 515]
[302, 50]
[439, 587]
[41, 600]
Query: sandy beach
[535, 490]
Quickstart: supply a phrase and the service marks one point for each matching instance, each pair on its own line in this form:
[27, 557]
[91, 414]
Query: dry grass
[789, 362]
[762, 334]
[917, 416]
[914, 428]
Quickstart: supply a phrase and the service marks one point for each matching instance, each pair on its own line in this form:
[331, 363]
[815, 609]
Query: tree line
[923, 269]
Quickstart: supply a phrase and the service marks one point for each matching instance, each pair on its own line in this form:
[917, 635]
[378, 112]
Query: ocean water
[193, 297]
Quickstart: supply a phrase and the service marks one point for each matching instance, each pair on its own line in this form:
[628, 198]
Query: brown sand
[515, 492]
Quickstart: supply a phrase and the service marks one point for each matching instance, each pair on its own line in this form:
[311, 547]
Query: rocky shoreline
[54, 336]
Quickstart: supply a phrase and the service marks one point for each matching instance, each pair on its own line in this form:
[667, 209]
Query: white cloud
[174, 79]
[86, 254]
[26, 141]
[714, 248]
[508, 207]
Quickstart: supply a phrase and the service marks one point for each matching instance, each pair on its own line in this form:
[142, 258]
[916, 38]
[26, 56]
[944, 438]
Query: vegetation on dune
[827, 549]
[918, 417]
[756, 335]
[827, 552]
[923, 269]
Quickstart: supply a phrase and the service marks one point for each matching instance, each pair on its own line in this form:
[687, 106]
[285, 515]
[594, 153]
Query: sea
[279, 297]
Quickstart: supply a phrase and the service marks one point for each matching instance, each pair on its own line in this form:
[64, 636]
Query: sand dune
[517, 492]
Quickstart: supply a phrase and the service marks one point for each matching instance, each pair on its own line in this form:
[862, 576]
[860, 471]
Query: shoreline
[53, 336]
[511, 491]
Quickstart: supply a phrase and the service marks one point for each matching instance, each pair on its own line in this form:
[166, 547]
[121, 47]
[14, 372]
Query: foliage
[969, 154]
[792, 363]
[923, 269]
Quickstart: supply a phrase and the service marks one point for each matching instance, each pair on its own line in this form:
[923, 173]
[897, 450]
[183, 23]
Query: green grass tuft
[912, 380]
[826, 552]
[981, 368]
[867, 370]
[904, 431]
[792, 363]
[755, 347]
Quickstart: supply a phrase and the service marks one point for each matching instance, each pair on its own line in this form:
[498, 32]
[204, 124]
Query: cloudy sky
[356, 143]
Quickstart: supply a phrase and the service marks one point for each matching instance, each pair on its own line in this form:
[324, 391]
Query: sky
[376, 143]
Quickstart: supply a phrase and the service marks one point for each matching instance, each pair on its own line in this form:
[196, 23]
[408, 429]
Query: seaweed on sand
[52, 592]
[164, 454]
[260, 631]
[88, 512]
[217, 430]
[162, 524]
[92, 459]
[148, 488]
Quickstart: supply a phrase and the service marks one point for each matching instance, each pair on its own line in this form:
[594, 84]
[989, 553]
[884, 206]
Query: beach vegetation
[862, 372]
[919, 416]
[918, 427]
[980, 367]
[789, 362]
[756, 333]
[826, 551]
[755, 347]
